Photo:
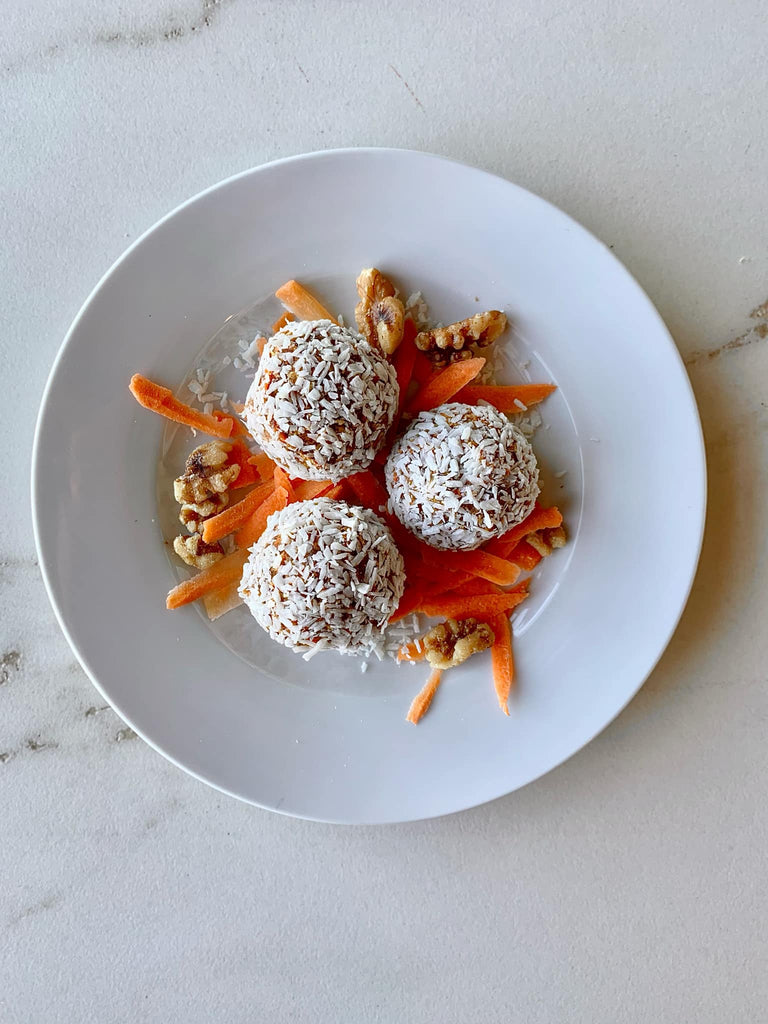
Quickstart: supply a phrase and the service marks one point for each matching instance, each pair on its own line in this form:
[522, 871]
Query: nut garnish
[544, 541]
[442, 344]
[557, 537]
[379, 314]
[202, 489]
[452, 642]
[194, 551]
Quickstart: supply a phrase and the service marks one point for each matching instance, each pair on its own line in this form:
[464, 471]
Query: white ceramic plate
[320, 740]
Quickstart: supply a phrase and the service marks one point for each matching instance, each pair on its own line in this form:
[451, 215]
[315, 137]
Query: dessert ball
[322, 400]
[324, 575]
[460, 475]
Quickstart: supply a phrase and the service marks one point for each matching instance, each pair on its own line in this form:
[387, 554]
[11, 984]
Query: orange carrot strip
[479, 563]
[264, 466]
[477, 607]
[445, 384]
[281, 321]
[539, 519]
[337, 493]
[413, 597]
[471, 588]
[253, 528]
[525, 556]
[238, 428]
[368, 490]
[235, 515]
[414, 651]
[308, 489]
[283, 480]
[423, 368]
[303, 304]
[502, 662]
[215, 577]
[420, 705]
[222, 601]
[240, 455]
[506, 398]
[161, 400]
[260, 345]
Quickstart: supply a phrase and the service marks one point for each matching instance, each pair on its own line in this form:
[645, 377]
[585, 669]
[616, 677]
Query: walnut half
[452, 642]
[194, 551]
[482, 330]
[379, 315]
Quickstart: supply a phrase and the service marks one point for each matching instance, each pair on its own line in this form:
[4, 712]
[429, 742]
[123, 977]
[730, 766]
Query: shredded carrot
[502, 662]
[478, 563]
[414, 651]
[413, 597]
[215, 577]
[444, 385]
[307, 489]
[241, 455]
[368, 490]
[525, 556]
[219, 602]
[161, 400]
[253, 528]
[422, 700]
[264, 466]
[281, 321]
[476, 607]
[423, 368]
[303, 304]
[260, 345]
[539, 519]
[337, 493]
[471, 588]
[283, 480]
[238, 428]
[235, 515]
[506, 398]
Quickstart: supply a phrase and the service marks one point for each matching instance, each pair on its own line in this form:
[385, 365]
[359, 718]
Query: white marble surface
[628, 885]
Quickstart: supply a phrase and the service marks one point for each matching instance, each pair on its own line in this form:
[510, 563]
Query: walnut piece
[194, 551]
[545, 541]
[452, 642]
[206, 473]
[379, 315]
[202, 489]
[482, 330]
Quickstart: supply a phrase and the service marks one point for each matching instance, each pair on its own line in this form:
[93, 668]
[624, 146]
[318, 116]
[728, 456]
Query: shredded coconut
[461, 475]
[322, 400]
[318, 578]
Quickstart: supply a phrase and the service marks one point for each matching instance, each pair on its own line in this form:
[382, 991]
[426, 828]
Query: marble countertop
[629, 884]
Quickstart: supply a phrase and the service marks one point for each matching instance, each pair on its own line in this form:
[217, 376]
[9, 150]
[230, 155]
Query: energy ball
[322, 400]
[460, 475]
[324, 575]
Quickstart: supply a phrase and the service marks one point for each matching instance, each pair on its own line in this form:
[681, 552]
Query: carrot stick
[414, 651]
[471, 588]
[215, 577]
[423, 368]
[476, 607]
[161, 400]
[479, 563]
[308, 489]
[219, 602]
[539, 519]
[339, 492]
[420, 705]
[368, 490]
[302, 303]
[235, 515]
[263, 465]
[283, 480]
[240, 455]
[506, 398]
[502, 662]
[525, 556]
[413, 597]
[253, 528]
[281, 321]
[260, 345]
[444, 385]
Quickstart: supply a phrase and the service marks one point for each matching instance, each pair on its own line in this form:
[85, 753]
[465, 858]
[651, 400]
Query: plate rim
[59, 612]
